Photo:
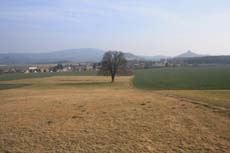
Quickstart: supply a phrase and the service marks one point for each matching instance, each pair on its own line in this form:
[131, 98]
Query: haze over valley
[78, 55]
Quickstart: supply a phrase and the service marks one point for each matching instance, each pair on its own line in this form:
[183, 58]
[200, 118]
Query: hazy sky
[145, 27]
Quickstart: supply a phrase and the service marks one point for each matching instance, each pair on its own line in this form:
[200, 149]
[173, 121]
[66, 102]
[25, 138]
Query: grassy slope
[179, 82]
[56, 114]
[17, 76]
[6, 79]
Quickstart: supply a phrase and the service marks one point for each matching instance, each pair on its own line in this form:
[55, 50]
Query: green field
[189, 78]
[17, 76]
[205, 85]
[216, 98]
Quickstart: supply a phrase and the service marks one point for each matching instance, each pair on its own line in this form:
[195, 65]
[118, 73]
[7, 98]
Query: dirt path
[105, 118]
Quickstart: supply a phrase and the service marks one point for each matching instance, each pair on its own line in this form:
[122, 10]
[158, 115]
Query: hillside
[188, 54]
[63, 56]
[72, 55]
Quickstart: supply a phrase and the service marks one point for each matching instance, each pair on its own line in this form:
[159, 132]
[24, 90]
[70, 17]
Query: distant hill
[155, 58]
[80, 55]
[71, 55]
[130, 57]
[189, 54]
[66, 56]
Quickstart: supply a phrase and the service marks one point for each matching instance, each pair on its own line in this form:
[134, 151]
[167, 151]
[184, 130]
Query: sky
[143, 27]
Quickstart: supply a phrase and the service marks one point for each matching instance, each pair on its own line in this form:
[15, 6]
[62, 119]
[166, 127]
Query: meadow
[74, 113]
[17, 76]
[203, 85]
[183, 78]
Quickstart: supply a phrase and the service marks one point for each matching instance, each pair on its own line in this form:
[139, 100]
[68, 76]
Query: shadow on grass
[18, 76]
[12, 86]
[86, 84]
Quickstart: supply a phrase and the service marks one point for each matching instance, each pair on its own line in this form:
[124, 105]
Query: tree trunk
[113, 77]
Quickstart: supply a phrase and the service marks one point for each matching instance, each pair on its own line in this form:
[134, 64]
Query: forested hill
[203, 60]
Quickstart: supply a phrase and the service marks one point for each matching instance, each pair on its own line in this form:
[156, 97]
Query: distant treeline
[224, 60]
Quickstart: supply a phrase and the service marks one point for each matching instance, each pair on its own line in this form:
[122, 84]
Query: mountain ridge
[68, 55]
[79, 55]
[72, 55]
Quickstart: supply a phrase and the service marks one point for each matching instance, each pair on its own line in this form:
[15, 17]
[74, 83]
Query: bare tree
[111, 62]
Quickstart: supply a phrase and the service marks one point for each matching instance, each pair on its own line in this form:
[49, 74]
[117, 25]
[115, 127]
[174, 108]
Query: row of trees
[214, 60]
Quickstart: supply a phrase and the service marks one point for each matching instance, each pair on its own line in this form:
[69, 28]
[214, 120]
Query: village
[77, 67]
[49, 68]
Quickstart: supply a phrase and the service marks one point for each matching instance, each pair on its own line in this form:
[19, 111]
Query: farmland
[184, 78]
[205, 85]
[17, 76]
[74, 113]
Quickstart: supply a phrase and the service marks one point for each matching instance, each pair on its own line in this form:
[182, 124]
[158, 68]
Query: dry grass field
[89, 114]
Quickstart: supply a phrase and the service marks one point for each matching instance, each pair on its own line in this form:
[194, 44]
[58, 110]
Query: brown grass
[75, 114]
